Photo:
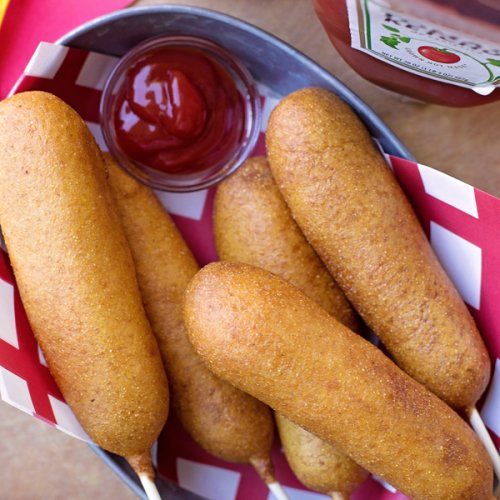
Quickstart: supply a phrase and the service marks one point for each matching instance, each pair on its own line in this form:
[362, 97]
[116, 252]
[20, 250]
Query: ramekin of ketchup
[180, 113]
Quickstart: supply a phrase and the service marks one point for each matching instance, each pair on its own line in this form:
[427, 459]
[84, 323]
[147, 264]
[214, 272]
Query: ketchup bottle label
[422, 47]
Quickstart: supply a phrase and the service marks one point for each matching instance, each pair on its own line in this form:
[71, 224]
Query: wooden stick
[337, 496]
[478, 425]
[265, 470]
[149, 487]
[277, 490]
[144, 469]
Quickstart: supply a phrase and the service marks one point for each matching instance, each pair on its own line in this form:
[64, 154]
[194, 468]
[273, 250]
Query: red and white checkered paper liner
[462, 224]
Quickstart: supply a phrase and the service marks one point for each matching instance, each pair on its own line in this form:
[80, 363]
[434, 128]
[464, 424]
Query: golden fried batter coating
[318, 464]
[253, 225]
[76, 275]
[223, 420]
[353, 212]
[267, 338]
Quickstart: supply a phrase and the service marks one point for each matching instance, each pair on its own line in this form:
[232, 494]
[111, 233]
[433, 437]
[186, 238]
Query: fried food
[253, 225]
[76, 275]
[221, 419]
[353, 212]
[318, 464]
[267, 338]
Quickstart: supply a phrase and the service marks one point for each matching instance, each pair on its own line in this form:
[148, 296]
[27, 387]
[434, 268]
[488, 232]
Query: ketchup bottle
[440, 51]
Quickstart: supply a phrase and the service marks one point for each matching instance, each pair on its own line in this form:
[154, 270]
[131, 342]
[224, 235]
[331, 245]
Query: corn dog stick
[149, 487]
[277, 490]
[265, 470]
[143, 467]
[478, 425]
[338, 496]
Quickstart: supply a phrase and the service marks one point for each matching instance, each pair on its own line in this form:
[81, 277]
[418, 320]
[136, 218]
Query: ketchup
[179, 111]
[469, 19]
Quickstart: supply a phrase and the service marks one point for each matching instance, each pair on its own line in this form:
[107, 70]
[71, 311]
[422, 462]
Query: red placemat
[27, 22]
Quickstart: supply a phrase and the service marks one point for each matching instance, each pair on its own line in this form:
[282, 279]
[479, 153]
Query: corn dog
[355, 215]
[221, 419]
[76, 276]
[266, 337]
[253, 225]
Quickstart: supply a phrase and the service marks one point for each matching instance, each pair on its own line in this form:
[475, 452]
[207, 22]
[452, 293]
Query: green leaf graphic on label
[494, 62]
[390, 28]
[405, 39]
[391, 41]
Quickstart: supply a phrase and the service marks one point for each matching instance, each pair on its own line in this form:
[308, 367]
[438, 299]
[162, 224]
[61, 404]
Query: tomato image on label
[438, 55]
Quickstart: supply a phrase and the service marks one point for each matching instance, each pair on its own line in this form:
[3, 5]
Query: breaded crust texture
[267, 338]
[353, 212]
[76, 275]
[223, 420]
[253, 225]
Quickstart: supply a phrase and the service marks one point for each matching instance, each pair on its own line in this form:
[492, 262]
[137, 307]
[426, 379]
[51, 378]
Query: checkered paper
[460, 221]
